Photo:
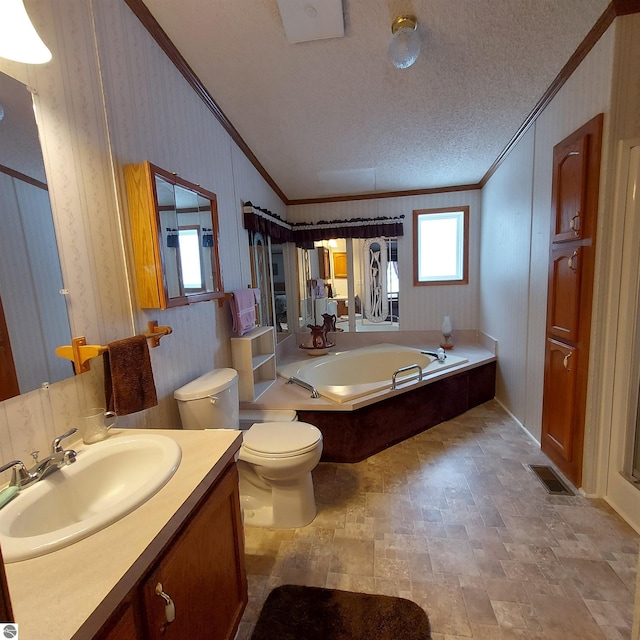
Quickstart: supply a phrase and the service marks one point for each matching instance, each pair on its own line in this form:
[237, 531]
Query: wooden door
[559, 396]
[202, 572]
[574, 208]
[570, 165]
[9, 386]
[565, 269]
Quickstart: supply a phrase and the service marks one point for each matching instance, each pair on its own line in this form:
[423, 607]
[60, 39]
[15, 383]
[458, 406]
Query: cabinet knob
[572, 261]
[565, 362]
[169, 607]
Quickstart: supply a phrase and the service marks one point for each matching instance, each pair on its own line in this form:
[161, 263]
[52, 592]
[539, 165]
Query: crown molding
[143, 14]
[387, 194]
[616, 8]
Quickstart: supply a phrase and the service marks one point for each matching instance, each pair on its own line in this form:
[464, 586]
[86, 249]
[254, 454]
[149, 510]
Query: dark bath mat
[550, 480]
[293, 612]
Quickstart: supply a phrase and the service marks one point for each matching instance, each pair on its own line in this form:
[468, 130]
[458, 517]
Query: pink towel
[243, 310]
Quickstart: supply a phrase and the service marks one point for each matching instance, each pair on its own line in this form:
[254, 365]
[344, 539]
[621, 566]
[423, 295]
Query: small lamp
[404, 47]
[19, 40]
[446, 333]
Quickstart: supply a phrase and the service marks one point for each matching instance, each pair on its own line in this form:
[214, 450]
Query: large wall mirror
[324, 274]
[33, 313]
[269, 274]
[174, 225]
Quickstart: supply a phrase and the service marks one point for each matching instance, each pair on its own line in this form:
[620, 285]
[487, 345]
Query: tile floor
[453, 520]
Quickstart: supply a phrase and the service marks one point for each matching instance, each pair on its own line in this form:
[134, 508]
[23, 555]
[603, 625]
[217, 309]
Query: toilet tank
[210, 401]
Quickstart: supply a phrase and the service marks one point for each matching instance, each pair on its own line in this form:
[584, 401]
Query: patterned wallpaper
[515, 257]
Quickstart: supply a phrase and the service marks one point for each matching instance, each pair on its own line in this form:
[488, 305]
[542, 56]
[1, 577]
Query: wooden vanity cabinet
[201, 569]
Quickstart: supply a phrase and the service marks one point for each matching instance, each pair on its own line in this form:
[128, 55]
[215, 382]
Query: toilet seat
[281, 439]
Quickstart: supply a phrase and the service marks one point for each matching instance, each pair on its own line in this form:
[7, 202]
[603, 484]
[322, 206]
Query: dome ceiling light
[404, 47]
[19, 40]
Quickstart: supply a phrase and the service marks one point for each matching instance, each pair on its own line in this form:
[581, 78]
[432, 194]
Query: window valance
[305, 233]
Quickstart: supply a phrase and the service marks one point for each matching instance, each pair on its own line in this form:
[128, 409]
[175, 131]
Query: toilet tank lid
[208, 384]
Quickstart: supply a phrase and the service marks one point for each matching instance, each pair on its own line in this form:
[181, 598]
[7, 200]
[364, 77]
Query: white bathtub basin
[360, 372]
[108, 480]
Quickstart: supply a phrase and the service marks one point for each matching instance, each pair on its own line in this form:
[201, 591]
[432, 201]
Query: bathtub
[348, 375]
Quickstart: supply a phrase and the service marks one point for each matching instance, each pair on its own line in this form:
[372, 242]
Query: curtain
[305, 234]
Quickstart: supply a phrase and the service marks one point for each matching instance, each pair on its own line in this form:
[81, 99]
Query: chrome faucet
[22, 477]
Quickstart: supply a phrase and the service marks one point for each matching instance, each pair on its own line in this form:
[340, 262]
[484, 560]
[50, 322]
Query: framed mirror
[174, 226]
[269, 274]
[33, 313]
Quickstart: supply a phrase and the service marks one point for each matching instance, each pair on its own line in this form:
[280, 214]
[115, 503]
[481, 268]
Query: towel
[243, 310]
[128, 377]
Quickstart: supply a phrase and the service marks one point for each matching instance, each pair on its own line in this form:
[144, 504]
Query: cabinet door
[569, 189]
[564, 293]
[121, 626]
[559, 399]
[202, 572]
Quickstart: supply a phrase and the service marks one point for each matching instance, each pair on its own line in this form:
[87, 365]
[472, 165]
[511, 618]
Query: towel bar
[79, 352]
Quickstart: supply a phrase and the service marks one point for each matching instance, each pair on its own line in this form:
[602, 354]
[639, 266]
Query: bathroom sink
[108, 480]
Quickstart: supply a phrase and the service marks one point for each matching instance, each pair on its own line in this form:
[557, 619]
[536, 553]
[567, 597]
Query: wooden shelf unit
[254, 358]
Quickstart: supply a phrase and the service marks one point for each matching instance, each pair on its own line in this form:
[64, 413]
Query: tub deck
[357, 429]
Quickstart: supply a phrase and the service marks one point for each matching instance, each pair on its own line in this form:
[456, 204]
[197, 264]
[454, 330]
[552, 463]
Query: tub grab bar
[402, 370]
[304, 385]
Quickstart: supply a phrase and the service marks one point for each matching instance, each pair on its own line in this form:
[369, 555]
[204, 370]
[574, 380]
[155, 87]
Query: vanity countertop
[73, 590]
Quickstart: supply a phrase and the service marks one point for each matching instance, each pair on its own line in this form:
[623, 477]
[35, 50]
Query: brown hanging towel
[128, 377]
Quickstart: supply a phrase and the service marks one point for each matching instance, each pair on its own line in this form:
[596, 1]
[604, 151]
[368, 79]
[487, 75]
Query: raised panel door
[559, 398]
[569, 189]
[574, 208]
[564, 293]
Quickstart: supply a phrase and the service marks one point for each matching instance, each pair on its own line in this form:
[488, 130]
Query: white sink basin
[108, 480]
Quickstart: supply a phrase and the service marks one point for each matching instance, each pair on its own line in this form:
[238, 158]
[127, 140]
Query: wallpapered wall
[110, 97]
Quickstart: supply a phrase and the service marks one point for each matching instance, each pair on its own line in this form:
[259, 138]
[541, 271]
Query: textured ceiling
[334, 117]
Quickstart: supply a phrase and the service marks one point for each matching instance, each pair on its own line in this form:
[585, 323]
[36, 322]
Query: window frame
[417, 213]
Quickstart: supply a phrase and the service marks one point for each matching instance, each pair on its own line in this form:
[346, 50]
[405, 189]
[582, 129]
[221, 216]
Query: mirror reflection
[174, 229]
[324, 274]
[188, 247]
[268, 273]
[33, 313]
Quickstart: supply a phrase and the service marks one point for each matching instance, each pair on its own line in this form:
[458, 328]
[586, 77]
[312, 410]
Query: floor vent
[550, 480]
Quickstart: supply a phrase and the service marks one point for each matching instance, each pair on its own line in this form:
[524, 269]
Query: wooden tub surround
[352, 436]
[364, 426]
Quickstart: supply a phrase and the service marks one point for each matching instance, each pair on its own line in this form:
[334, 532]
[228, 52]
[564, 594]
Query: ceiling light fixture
[19, 40]
[404, 47]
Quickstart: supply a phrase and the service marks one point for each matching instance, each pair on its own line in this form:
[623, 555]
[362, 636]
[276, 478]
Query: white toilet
[275, 459]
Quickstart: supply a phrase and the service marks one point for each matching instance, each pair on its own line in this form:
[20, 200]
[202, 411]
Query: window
[190, 261]
[441, 246]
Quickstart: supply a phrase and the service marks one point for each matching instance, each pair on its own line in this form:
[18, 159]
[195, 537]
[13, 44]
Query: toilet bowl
[275, 460]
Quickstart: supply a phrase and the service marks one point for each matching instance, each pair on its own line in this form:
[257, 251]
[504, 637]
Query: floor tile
[454, 520]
